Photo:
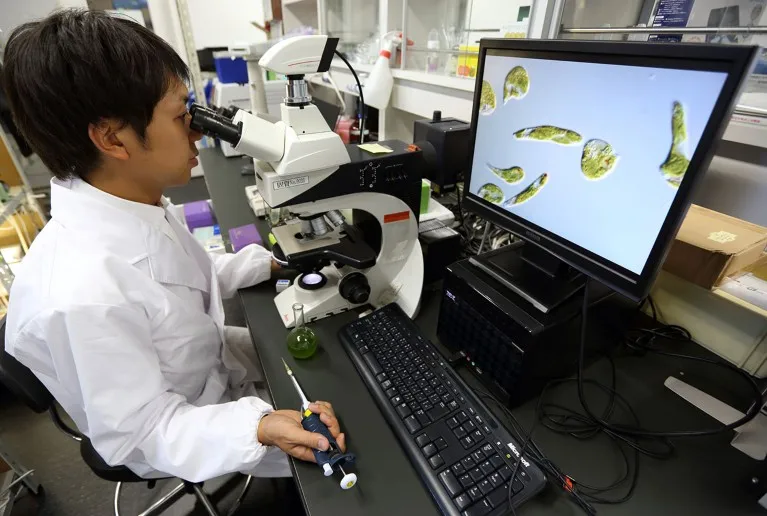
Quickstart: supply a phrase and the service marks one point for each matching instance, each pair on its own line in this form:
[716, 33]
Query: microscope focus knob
[355, 288]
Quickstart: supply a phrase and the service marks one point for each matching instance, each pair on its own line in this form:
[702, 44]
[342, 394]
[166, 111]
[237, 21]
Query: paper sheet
[375, 148]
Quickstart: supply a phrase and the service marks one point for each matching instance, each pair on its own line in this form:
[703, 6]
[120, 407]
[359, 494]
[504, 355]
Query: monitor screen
[591, 149]
[591, 152]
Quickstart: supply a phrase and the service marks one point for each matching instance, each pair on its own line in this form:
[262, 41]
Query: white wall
[13, 13]
[219, 23]
[83, 4]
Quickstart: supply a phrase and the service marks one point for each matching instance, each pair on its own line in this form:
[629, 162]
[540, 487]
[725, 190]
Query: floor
[71, 489]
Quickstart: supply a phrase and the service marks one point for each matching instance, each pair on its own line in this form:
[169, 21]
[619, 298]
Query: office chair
[25, 386]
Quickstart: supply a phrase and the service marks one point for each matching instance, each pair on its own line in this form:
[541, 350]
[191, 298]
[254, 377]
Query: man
[117, 309]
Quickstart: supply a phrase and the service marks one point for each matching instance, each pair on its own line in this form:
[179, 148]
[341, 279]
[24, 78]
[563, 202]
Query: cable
[630, 441]
[515, 469]
[628, 431]
[458, 188]
[362, 98]
[484, 236]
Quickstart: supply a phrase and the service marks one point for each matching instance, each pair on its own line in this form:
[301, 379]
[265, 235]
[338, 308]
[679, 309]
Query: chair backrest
[21, 381]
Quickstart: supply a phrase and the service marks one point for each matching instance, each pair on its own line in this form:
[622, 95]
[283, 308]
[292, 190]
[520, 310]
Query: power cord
[362, 97]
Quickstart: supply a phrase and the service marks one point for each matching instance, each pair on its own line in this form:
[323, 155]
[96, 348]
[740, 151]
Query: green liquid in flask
[302, 341]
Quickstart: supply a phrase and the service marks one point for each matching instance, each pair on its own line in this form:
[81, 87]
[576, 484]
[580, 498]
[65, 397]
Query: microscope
[302, 165]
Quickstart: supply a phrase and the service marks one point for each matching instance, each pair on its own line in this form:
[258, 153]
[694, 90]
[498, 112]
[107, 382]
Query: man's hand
[282, 428]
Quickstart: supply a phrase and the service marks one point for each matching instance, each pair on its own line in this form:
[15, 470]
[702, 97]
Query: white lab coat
[117, 309]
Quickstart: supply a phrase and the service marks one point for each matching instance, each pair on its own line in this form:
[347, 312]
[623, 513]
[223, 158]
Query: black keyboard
[464, 456]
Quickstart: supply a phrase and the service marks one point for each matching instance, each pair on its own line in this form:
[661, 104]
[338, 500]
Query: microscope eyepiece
[211, 123]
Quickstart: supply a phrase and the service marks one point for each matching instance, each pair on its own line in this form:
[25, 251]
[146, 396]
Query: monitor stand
[538, 276]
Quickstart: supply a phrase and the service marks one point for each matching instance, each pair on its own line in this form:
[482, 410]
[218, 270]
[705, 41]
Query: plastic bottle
[432, 58]
[379, 83]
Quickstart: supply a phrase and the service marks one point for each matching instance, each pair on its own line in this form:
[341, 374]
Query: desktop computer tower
[512, 347]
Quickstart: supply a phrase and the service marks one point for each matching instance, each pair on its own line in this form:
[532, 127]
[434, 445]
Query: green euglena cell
[675, 166]
[549, 133]
[529, 192]
[486, 99]
[511, 175]
[598, 159]
[491, 193]
[516, 85]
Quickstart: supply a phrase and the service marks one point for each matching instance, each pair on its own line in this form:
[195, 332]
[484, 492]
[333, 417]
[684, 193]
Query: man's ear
[107, 135]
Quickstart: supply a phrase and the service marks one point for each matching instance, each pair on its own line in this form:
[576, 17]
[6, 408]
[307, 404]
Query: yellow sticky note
[375, 148]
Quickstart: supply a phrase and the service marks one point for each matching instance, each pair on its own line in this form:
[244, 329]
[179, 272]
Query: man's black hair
[77, 67]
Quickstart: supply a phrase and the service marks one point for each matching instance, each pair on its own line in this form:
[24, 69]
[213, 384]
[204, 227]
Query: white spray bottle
[379, 83]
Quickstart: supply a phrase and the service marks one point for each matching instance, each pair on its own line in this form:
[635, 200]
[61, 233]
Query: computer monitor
[590, 151]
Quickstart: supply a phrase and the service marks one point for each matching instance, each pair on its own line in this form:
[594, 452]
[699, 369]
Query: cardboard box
[711, 245]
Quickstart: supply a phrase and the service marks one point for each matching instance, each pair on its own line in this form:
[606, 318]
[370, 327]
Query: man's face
[170, 153]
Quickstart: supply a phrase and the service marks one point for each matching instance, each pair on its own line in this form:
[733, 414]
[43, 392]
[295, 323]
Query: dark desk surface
[707, 476]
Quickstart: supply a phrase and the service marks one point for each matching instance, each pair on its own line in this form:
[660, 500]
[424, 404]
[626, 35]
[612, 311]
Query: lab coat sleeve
[249, 266]
[131, 414]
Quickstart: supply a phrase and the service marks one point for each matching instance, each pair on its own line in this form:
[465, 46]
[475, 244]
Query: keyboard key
[476, 474]
[372, 364]
[498, 497]
[412, 424]
[465, 481]
[422, 440]
[478, 456]
[505, 472]
[437, 461]
[475, 493]
[429, 450]
[468, 463]
[364, 349]
[452, 405]
[496, 461]
[391, 392]
[462, 501]
[486, 467]
[459, 433]
[477, 436]
[478, 509]
[386, 384]
[496, 479]
[381, 377]
[461, 416]
[451, 483]
[396, 400]
[458, 469]
[439, 411]
[441, 444]
[485, 486]
[422, 418]
[517, 486]
[403, 410]
[467, 442]
[469, 426]
[488, 450]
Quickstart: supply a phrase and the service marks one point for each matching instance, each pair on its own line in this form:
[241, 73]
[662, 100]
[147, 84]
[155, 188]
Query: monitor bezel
[735, 60]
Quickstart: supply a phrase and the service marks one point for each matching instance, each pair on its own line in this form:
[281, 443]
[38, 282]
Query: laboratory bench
[706, 475]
